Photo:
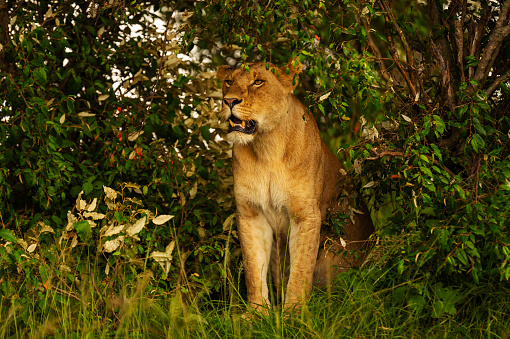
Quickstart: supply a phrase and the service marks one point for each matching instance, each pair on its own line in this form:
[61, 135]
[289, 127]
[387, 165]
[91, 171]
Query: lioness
[285, 181]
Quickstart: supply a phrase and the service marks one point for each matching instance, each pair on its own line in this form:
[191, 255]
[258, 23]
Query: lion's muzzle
[243, 126]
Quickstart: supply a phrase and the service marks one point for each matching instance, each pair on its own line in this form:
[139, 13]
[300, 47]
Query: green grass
[131, 307]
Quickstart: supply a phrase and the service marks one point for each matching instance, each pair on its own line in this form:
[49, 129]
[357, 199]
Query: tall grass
[131, 307]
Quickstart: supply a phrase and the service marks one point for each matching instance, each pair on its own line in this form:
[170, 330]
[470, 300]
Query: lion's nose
[231, 102]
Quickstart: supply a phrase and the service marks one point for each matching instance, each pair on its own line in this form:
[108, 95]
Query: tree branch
[490, 90]
[4, 27]
[411, 80]
[490, 53]
[459, 41]
[443, 54]
[476, 34]
[402, 154]
[376, 51]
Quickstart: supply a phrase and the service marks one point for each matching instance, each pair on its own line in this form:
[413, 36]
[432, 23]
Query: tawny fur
[285, 182]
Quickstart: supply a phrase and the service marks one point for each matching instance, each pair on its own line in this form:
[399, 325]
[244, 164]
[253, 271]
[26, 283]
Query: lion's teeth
[231, 123]
[243, 123]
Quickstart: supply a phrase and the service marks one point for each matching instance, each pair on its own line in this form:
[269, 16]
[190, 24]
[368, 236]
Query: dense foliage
[105, 97]
[431, 81]
[95, 97]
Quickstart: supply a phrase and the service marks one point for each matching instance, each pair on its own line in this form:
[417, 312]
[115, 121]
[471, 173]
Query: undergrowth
[128, 305]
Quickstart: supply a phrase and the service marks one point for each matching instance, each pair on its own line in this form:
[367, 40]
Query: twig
[496, 83]
[376, 51]
[409, 57]
[401, 154]
[477, 176]
[70, 294]
[383, 153]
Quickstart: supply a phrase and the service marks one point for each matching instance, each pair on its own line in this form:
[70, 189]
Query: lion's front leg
[303, 248]
[256, 238]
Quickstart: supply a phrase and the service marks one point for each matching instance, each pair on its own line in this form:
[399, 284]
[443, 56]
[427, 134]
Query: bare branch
[402, 154]
[376, 51]
[4, 38]
[393, 51]
[411, 80]
[443, 55]
[501, 30]
[445, 71]
[490, 90]
[459, 40]
[476, 34]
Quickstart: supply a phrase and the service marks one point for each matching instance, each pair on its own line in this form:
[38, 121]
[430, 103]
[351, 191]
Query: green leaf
[426, 171]
[87, 187]
[40, 76]
[440, 126]
[206, 134]
[417, 303]
[70, 105]
[461, 255]
[321, 108]
[8, 235]
[437, 152]
[477, 142]
[83, 230]
[438, 309]
[478, 127]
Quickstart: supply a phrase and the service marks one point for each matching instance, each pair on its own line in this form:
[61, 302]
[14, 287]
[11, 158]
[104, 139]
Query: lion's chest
[268, 189]
[265, 189]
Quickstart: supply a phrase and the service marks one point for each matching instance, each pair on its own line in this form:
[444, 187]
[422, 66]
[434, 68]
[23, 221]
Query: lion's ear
[223, 72]
[289, 74]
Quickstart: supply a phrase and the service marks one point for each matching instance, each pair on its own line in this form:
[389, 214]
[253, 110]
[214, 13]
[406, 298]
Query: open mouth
[243, 126]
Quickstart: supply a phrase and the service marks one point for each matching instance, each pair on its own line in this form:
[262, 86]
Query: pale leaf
[112, 230]
[45, 228]
[110, 193]
[161, 219]
[62, 118]
[86, 114]
[31, 248]
[134, 136]
[111, 245]
[71, 220]
[193, 191]
[370, 133]
[65, 268]
[164, 259]
[49, 13]
[227, 224]
[80, 203]
[370, 184]
[406, 118]
[94, 215]
[103, 97]
[92, 206]
[136, 227]
[74, 242]
[325, 96]
[357, 166]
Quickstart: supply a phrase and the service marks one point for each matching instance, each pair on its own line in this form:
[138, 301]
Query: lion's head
[256, 97]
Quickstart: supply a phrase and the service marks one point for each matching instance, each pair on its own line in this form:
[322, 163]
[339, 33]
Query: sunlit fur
[285, 181]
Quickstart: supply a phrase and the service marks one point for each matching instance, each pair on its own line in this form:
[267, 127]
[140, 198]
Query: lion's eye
[258, 82]
[228, 83]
